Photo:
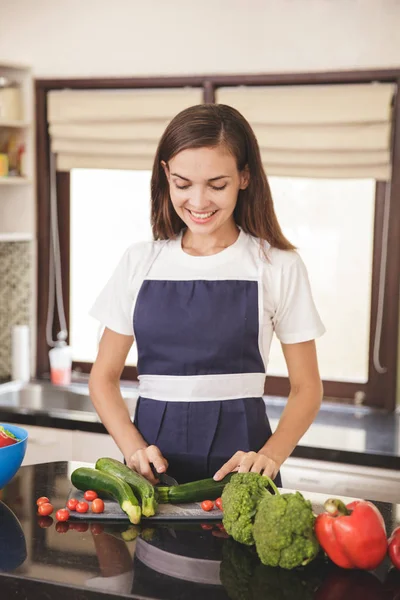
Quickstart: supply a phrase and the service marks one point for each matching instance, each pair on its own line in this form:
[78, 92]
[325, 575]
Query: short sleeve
[296, 318]
[114, 305]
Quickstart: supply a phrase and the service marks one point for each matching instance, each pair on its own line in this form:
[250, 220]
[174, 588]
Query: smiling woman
[202, 302]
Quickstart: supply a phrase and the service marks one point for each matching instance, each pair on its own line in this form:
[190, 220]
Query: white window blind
[116, 129]
[329, 131]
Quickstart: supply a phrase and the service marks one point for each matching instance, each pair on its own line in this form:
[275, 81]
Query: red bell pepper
[350, 585]
[394, 547]
[353, 536]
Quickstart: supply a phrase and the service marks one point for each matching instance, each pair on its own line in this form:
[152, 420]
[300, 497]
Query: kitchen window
[346, 230]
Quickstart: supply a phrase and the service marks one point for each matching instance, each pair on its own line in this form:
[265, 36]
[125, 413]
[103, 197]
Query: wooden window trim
[380, 390]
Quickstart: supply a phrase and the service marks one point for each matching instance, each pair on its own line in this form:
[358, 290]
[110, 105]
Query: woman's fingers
[142, 460]
[232, 464]
[245, 462]
[155, 456]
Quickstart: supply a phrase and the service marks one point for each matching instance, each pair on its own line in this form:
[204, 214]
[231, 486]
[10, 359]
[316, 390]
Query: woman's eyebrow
[212, 178]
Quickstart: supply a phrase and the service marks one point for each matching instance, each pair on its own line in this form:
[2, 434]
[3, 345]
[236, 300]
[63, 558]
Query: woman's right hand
[141, 461]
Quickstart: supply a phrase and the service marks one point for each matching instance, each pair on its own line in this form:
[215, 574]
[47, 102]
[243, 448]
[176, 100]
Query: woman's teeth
[202, 215]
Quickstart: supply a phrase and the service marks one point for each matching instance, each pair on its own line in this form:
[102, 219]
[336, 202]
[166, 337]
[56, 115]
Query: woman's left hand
[245, 462]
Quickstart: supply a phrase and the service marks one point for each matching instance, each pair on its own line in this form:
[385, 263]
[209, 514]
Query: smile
[201, 217]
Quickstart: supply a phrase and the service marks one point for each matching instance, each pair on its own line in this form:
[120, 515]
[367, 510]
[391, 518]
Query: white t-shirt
[285, 301]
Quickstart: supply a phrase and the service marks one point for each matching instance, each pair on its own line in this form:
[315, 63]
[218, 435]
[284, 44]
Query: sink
[43, 397]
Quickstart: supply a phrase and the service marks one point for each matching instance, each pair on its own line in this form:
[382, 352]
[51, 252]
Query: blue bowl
[11, 457]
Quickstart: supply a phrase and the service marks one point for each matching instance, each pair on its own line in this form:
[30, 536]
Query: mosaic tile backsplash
[15, 296]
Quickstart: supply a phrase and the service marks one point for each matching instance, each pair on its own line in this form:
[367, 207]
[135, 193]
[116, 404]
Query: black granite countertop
[40, 560]
[340, 433]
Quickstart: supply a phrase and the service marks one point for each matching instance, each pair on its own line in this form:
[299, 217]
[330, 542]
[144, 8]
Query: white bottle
[20, 353]
[60, 363]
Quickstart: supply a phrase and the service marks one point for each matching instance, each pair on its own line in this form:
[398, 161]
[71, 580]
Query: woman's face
[204, 184]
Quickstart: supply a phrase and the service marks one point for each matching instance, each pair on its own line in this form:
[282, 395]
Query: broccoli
[284, 531]
[245, 578]
[240, 499]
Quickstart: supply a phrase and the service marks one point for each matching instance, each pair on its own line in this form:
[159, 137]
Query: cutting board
[165, 512]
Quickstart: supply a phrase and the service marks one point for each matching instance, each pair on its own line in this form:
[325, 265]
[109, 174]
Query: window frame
[380, 389]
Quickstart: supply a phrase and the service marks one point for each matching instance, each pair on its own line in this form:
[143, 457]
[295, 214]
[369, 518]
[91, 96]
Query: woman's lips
[201, 217]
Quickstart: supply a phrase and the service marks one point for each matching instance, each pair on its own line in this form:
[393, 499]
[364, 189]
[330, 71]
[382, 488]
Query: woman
[202, 302]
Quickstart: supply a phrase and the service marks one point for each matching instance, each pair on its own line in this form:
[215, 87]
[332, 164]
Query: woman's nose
[198, 199]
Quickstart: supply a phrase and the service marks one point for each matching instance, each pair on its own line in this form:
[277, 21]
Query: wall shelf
[16, 237]
[15, 181]
[14, 124]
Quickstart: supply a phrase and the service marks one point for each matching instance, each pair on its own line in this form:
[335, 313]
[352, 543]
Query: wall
[127, 37]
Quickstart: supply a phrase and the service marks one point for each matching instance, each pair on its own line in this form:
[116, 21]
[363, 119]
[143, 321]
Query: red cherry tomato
[82, 507]
[90, 495]
[62, 514]
[98, 506]
[81, 527]
[207, 505]
[218, 503]
[206, 526]
[45, 509]
[96, 528]
[45, 522]
[71, 504]
[42, 500]
[62, 527]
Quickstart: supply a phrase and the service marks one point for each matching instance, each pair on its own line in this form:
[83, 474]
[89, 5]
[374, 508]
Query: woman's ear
[166, 169]
[244, 178]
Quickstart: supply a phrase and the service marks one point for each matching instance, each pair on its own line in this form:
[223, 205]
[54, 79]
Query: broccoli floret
[240, 499]
[284, 531]
[245, 578]
[237, 568]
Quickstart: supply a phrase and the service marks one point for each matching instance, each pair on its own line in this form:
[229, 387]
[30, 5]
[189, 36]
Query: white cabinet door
[341, 479]
[88, 446]
[46, 444]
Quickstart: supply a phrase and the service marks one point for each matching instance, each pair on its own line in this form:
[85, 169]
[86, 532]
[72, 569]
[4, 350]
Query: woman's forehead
[206, 163]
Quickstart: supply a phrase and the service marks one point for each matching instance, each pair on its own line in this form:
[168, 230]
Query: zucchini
[141, 487]
[195, 491]
[85, 478]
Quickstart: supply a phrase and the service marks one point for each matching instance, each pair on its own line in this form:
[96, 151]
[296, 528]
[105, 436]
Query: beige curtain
[116, 129]
[332, 131]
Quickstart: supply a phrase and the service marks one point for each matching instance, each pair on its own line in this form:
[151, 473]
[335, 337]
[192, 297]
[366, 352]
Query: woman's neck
[212, 243]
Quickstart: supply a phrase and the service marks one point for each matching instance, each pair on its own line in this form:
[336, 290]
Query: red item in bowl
[7, 438]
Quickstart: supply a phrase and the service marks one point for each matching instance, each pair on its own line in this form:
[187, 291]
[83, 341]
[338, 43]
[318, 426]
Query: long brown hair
[210, 125]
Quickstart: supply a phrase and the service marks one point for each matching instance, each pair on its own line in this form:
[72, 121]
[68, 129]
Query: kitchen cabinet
[89, 446]
[341, 479]
[47, 444]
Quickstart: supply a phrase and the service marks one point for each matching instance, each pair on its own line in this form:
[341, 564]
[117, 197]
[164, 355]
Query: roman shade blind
[116, 129]
[332, 131]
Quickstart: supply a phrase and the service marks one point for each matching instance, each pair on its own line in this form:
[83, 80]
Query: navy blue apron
[199, 328]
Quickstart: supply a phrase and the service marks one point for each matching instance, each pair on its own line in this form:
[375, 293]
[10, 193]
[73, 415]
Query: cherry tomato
[81, 527]
[90, 495]
[98, 506]
[45, 509]
[221, 527]
[45, 522]
[96, 528]
[62, 527]
[42, 500]
[218, 503]
[71, 504]
[62, 514]
[206, 526]
[207, 505]
[82, 507]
